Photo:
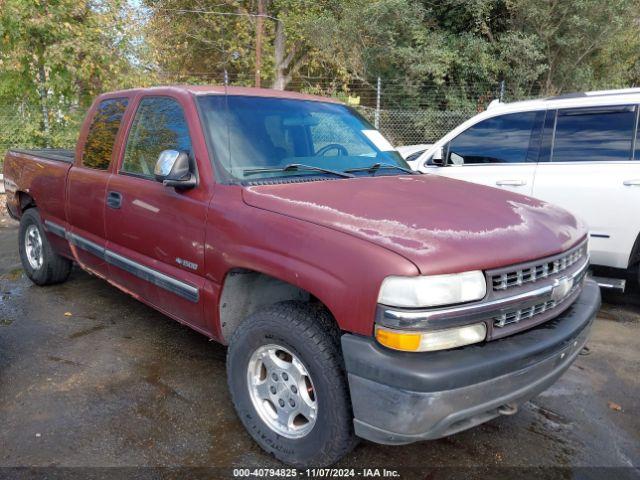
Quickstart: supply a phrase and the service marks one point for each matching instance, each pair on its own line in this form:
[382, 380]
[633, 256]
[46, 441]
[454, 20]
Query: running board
[611, 283]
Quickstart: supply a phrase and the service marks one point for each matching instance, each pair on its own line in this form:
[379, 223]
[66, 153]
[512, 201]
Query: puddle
[5, 322]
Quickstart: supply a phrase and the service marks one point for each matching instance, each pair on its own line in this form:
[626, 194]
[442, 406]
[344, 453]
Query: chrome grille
[544, 269]
[522, 313]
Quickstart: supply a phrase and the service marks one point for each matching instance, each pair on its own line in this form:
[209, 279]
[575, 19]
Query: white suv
[579, 151]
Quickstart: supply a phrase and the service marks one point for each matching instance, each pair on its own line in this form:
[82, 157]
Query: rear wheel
[288, 386]
[41, 264]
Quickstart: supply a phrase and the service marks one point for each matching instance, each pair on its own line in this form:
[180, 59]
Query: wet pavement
[89, 377]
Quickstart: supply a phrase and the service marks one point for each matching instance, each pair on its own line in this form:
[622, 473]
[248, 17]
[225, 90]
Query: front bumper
[401, 397]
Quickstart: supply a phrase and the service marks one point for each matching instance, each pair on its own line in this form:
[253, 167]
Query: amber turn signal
[429, 341]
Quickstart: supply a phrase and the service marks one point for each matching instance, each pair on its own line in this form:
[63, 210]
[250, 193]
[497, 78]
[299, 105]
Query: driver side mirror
[173, 169]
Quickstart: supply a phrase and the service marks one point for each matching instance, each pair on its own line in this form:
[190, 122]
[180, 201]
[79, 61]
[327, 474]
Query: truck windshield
[257, 137]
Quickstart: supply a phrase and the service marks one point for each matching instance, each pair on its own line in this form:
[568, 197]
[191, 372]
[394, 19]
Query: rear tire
[306, 343]
[41, 264]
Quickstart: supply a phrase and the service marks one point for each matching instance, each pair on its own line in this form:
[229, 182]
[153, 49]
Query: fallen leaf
[614, 406]
[68, 314]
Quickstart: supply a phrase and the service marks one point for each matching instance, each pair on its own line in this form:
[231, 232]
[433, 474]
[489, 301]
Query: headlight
[432, 290]
[409, 341]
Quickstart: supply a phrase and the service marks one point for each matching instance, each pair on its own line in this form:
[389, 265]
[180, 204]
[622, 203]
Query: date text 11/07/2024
[315, 473]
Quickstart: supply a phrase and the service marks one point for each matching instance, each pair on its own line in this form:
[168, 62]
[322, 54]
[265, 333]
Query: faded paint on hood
[440, 224]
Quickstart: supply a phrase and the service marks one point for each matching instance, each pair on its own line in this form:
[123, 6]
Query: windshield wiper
[296, 167]
[377, 166]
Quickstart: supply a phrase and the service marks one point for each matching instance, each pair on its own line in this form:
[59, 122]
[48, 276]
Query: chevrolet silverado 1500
[286, 227]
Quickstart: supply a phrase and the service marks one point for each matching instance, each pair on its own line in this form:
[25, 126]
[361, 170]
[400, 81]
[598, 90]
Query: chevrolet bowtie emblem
[561, 288]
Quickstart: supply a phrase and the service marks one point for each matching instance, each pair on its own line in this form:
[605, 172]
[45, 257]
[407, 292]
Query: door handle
[632, 183]
[114, 199]
[511, 183]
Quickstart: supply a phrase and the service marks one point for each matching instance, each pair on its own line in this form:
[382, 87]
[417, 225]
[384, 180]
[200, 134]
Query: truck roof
[221, 90]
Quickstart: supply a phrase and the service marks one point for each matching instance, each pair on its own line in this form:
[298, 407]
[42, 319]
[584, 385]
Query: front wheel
[41, 264]
[288, 386]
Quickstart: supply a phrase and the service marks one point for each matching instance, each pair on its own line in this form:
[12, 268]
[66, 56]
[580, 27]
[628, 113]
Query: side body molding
[166, 282]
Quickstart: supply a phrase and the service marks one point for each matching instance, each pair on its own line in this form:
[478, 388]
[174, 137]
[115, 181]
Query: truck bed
[56, 154]
[37, 173]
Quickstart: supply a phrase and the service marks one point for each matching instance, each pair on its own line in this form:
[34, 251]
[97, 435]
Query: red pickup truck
[357, 298]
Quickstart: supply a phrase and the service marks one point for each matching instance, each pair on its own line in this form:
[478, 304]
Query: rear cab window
[98, 147]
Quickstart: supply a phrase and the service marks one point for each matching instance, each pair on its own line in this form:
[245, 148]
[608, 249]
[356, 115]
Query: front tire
[41, 264]
[287, 383]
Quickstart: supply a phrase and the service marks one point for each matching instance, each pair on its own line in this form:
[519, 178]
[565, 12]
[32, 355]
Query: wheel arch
[22, 202]
[245, 290]
[634, 257]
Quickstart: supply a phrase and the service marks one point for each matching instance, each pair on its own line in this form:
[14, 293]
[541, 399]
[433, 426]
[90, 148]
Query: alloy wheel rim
[282, 391]
[33, 247]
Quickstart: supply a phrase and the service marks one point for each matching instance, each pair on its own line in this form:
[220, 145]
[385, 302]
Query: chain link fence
[20, 128]
[414, 126]
[402, 122]
[14, 130]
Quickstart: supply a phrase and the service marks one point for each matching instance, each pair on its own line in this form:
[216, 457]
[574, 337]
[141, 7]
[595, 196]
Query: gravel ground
[90, 378]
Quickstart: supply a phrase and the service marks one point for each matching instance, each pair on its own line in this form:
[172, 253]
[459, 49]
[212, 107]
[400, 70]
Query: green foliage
[441, 55]
[55, 56]
[446, 56]
[577, 40]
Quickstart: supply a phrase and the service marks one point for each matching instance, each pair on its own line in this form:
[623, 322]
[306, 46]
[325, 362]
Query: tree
[58, 55]
[190, 41]
[193, 41]
[573, 35]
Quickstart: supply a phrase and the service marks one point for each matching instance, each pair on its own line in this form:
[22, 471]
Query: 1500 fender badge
[186, 263]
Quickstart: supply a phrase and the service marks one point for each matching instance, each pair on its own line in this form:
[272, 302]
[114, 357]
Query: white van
[580, 151]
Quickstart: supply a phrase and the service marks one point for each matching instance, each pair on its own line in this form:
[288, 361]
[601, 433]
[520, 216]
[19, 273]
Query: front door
[500, 151]
[593, 174]
[156, 234]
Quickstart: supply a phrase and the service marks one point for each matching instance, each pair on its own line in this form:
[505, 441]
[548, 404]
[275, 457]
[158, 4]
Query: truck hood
[440, 224]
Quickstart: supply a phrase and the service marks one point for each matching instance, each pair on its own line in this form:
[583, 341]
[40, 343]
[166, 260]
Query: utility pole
[259, 32]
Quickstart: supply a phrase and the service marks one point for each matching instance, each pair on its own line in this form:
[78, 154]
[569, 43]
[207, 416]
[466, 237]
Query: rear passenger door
[500, 151]
[87, 185]
[156, 233]
[593, 171]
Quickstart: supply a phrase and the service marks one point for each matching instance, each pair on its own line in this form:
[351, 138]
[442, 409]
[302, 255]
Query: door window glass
[159, 125]
[102, 133]
[637, 143]
[588, 135]
[414, 156]
[502, 139]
